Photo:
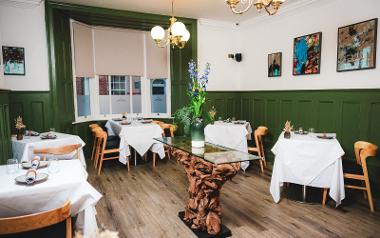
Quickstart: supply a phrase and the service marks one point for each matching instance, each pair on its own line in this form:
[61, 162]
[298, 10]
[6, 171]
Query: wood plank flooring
[145, 203]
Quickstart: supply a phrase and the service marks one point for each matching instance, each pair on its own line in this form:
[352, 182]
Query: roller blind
[83, 50]
[118, 52]
[156, 59]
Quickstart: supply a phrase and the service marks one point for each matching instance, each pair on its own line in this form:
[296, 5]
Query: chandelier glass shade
[241, 6]
[176, 35]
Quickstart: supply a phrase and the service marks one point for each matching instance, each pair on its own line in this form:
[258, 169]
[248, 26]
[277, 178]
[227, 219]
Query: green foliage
[184, 118]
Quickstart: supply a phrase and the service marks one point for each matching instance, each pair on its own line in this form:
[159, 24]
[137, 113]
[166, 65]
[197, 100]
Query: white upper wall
[268, 34]
[215, 41]
[25, 27]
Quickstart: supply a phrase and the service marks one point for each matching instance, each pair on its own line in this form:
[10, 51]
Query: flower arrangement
[19, 124]
[197, 87]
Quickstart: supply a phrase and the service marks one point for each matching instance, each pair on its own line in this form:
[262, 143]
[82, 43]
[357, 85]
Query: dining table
[207, 169]
[231, 134]
[310, 160]
[23, 149]
[68, 182]
[137, 134]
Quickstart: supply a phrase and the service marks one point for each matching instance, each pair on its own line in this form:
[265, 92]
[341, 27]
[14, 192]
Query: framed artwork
[14, 60]
[357, 46]
[307, 54]
[274, 64]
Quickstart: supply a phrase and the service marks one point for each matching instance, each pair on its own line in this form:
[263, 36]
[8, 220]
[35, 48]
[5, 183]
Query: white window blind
[156, 60]
[83, 50]
[118, 51]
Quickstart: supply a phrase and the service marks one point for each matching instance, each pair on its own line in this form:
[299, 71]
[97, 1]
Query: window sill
[110, 117]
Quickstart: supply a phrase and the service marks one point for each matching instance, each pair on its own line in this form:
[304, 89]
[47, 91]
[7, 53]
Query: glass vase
[197, 134]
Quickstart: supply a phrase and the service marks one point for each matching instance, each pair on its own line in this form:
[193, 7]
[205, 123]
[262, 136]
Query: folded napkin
[35, 162]
[31, 176]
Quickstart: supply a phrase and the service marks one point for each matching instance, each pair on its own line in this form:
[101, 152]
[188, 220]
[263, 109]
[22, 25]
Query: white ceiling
[207, 9]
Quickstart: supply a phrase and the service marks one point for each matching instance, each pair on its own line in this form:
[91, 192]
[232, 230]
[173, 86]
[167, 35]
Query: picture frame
[13, 60]
[275, 64]
[307, 51]
[356, 46]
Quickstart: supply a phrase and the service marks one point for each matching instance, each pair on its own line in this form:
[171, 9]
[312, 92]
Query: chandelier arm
[250, 4]
[269, 12]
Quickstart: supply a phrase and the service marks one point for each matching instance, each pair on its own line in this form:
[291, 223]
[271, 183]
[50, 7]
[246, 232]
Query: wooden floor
[145, 203]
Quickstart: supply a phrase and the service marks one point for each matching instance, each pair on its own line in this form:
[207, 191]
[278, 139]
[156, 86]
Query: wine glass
[12, 166]
[53, 165]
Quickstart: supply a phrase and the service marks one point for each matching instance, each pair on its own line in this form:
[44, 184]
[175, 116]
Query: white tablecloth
[230, 135]
[310, 161]
[23, 149]
[139, 136]
[70, 183]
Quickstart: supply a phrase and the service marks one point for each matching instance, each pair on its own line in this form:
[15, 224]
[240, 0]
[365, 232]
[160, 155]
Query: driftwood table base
[203, 210]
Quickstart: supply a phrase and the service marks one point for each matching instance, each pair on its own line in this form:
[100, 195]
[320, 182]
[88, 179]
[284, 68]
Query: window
[82, 85]
[158, 95]
[117, 71]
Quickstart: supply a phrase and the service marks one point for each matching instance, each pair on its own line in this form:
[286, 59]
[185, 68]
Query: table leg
[203, 210]
[304, 193]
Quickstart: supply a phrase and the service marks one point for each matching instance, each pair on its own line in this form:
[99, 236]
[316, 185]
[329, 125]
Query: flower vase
[19, 135]
[197, 134]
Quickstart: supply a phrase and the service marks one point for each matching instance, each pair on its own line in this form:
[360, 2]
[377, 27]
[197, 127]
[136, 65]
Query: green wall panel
[353, 114]
[5, 145]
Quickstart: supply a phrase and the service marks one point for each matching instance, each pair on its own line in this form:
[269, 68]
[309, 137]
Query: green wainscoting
[33, 107]
[5, 134]
[353, 114]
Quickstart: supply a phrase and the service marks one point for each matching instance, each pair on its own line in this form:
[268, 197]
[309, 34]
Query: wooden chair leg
[68, 228]
[324, 197]
[154, 160]
[364, 191]
[93, 149]
[100, 164]
[128, 164]
[369, 195]
[262, 167]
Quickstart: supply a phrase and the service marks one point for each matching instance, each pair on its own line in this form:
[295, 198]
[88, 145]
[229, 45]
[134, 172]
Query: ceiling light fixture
[176, 35]
[270, 6]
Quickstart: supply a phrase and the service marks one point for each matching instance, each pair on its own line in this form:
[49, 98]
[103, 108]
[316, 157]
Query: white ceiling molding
[21, 3]
[284, 12]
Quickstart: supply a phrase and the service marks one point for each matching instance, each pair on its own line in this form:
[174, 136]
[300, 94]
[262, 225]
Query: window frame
[94, 89]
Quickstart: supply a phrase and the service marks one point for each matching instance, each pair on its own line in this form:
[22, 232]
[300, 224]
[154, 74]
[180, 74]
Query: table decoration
[287, 129]
[192, 117]
[20, 126]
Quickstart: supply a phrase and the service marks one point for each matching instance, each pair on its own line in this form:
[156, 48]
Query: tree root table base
[203, 210]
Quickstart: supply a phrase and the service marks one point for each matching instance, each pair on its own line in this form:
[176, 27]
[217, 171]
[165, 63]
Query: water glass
[54, 165]
[52, 129]
[311, 130]
[233, 118]
[220, 118]
[12, 166]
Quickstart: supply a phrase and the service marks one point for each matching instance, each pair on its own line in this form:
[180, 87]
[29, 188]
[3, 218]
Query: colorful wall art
[357, 46]
[14, 60]
[274, 64]
[307, 54]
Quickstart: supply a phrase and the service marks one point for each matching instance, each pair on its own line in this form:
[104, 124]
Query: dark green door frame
[59, 52]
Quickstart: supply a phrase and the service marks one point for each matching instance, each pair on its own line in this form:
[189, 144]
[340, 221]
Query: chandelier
[270, 6]
[176, 35]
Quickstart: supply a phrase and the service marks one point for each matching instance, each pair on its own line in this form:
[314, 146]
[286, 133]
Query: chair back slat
[12, 225]
[363, 150]
[258, 134]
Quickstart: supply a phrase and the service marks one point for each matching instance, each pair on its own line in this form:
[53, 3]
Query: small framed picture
[357, 46]
[274, 64]
[14, 60]
[307, 54]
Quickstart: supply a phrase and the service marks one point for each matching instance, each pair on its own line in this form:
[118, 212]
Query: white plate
[40, 177]
[28, 165]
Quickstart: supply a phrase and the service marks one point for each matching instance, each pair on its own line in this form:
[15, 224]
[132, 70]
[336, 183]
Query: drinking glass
[52, 129]
[311, 130]
[233, 118]
[220, 118]
[12, 166]
[53, 165]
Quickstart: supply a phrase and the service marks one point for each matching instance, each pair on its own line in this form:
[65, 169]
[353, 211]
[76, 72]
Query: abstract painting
[14, 60]
[307, 54]
[274, 64]
[357, 46]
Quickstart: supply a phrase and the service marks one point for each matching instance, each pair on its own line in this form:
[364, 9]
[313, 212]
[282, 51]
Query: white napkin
[31, 176]
[35, 162]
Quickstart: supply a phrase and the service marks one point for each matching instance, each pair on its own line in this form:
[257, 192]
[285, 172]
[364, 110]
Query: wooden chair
[95, 150]
[259, 149]
[171, 128]
[363, 150]
[62, 150]
[19, 224]
[102, 150]
[92, 128]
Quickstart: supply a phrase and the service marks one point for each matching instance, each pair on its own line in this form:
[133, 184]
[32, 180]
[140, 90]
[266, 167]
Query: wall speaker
[238, 57]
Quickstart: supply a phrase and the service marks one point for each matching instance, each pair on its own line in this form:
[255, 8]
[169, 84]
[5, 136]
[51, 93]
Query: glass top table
[212, 153]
